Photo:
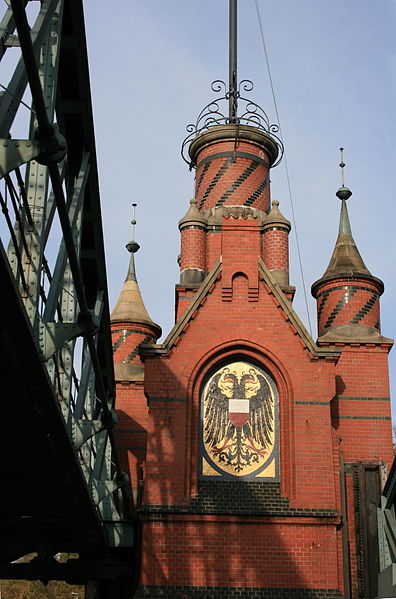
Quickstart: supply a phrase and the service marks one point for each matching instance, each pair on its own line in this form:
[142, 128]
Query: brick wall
[253, 553]
[361, 405]
[193, 248]
[225, 178]
[276, 249]
[346, 301]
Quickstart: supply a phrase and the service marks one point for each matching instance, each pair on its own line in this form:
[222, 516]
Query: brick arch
[265, 359]
[240, 285]
[240, 273]
[230, 280]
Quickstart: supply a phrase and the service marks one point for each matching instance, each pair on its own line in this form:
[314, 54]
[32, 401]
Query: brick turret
[232, 186]
[131, 323]
[347, 294]
[232, 165]
[348, 318]
[131, 326]
[276, 230]
[232, 178]
[193, 245]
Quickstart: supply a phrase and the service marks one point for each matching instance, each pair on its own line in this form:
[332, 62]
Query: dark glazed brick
[187, 592]
[256, 194]
[215, 179]
[242, 177]
[250, 498]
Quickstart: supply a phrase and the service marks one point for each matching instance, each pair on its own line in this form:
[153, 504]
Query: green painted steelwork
[387, 537]
[56, 269]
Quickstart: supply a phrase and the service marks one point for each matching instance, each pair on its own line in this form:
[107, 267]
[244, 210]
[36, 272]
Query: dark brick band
[201, 176]
[347, 304]
[233, 154]
[167, 399]
[125, 333]
[337, 417]
[338, 307]
[359, 398]
[365, 309]
[312, 403]
[346, 287]
[239, 180]
[134, 353]
[256, 194]
[211, 181]
[240, 498]
[214, 181]
[210, 592]
[121, 339]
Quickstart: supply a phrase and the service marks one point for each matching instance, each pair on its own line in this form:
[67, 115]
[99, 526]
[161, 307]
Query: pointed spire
[346, 260]
[347, 294]
[345, 226]
[130, 306]
[132, 247]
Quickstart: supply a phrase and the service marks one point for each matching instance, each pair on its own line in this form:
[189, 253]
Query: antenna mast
[232, 91]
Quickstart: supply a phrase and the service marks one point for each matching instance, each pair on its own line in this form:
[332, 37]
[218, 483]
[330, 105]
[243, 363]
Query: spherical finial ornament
[132, 247]
[343, 193]
[133, 223]
[275, 203]
[342, 163]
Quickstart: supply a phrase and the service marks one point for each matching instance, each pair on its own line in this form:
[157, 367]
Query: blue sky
[334, 71]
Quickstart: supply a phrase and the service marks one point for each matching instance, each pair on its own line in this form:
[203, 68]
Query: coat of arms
[238, 419]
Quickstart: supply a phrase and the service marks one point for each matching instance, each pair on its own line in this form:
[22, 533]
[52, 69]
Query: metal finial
[342, 164]
[133, 221]
[215, 113]
[343, 193]
[232, 89]
[133, 246]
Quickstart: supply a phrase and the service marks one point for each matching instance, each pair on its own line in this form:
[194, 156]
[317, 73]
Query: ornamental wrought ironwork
[217, 113]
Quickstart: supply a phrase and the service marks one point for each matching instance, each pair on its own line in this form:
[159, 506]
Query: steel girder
[54, 327]
[387, 537]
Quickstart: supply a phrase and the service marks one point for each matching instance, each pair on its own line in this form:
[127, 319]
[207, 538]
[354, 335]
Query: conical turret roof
[130, 306]
[275, 217]
[193, 216]
[346, 261]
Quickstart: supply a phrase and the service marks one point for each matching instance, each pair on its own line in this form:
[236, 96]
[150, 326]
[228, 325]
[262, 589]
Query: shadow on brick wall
[228, 539]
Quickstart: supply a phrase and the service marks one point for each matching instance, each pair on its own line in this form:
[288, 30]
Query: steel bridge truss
[387, 537]
[57, 370]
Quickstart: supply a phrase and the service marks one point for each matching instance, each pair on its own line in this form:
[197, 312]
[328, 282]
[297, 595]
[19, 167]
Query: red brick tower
[258, 452]
[131, 325]
[348, 298]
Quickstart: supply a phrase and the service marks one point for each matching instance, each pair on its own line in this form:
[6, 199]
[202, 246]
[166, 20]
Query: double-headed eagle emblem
[238, 418]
